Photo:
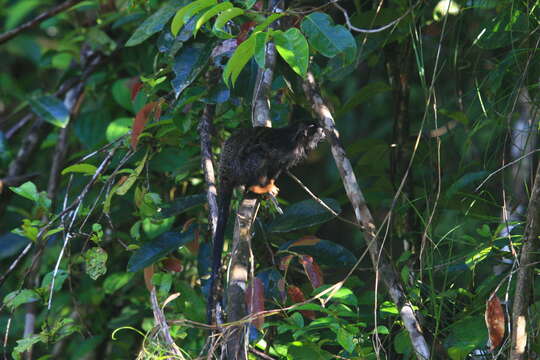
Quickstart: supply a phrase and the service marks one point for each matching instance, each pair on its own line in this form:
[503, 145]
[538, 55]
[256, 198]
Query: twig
[207, 164]
[322, 203]
[38, 19]
[161, 321]
[370, 31]
[504, 167]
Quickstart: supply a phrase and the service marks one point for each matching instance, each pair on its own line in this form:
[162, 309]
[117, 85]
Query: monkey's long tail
[219, 237]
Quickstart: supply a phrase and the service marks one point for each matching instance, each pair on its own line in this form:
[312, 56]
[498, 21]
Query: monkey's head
[309, 134]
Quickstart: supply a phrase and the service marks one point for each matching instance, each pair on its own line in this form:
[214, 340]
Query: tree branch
[524, 276]
[8, 35]
[382, 266]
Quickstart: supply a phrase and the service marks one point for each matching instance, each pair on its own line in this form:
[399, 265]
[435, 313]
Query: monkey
[255, 157]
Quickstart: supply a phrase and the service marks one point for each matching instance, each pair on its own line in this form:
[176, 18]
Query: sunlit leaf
[222, 19]
[50, 109]
[293, 48]
[88, 169]
[210, 13]
[185, 13]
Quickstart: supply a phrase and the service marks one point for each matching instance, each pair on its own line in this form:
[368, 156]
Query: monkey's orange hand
[270, 188]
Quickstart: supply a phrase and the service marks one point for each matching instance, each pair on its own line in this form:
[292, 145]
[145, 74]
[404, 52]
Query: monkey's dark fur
[255, 157]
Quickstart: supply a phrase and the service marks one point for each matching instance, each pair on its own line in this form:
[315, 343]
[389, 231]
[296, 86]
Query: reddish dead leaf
[244, 31]
[148, 273]
[281, 288]
[305, 240]
[141, 118]
[258, 6]
[172, 264]
[297, 296]
[255, 301]
[495, 321]
[193, 245]
[122, 180]
[312, 270]
[135, 87]
[285, 262]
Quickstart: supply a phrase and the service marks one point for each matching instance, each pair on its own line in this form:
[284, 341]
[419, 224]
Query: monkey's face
[311, 134]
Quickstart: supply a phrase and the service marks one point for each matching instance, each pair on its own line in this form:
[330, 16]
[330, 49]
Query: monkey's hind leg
[269, 188]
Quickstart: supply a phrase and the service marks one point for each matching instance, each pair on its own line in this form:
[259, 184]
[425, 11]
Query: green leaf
[189, 63]
[464, 336]
[269, 20]
[477, 257]
[80, 168]
[346, 339]
[325, 37]
[210, 13]
[153, 227]
[342, 296]
[126, 185]
[465, 181]
[185, 13]
[504, 30]
[91, 125]
[50, 109]
[27, 190]
[61, 276]
[238, 60]
[222, 20]
[181, 205]
[324, 251]
[16, 13]
[95, 262]
[116, 281]
[152, 251]
[155, 22]
[307, 350]
[293, 48]
[118, 128]
[18, 297]
[261, 38]
[302, 215]
[121, 92]
[26, 344]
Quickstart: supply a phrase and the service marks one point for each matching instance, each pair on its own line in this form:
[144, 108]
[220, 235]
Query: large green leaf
[324, 251]
[222, 19]
[50, 109]
[302, 215]
[155, 22]
[210, 13]
[185, 13]
[293, 48]
[19, 297]
[240, 58]
[180, 205]
[152, 251]
[27, 190]
[325, 37]
[189, 63]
